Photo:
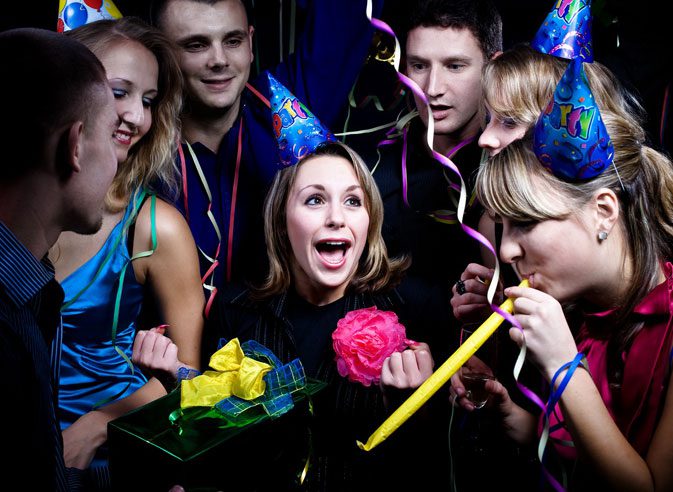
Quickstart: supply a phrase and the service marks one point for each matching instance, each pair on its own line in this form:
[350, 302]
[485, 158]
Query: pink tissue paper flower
[363, 339]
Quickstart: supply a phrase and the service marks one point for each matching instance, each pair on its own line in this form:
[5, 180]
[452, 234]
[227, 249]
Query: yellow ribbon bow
[234, 374]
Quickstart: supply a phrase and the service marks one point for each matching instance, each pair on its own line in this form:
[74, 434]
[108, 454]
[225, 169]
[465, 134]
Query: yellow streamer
[235, 374]
[439, 377]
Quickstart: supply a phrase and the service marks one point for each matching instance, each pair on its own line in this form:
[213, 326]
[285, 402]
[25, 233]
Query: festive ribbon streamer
[440, 376]
[137, 199]
[208, 278]
[443, 160]
[518, 365]
[554, 398]
[448, 217]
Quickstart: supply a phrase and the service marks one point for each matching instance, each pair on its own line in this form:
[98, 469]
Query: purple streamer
[404, 167]
[446, 162]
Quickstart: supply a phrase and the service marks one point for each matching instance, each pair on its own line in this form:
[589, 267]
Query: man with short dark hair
[58, 162]
[447, 44]
[230, 151]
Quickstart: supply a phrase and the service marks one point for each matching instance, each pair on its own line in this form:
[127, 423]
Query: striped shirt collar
[21, 274]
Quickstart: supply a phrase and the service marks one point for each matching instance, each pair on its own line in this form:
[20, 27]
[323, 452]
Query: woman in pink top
[602, 245]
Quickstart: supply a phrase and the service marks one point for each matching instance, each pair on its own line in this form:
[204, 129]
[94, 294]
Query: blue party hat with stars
[298, 132]
[570, 138]
[566, 32]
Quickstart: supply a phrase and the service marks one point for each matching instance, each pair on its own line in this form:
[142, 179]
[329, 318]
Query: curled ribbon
[443, 160]
[500, 312]
[442, 375]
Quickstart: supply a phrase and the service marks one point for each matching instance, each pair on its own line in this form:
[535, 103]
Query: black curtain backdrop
[628, 38]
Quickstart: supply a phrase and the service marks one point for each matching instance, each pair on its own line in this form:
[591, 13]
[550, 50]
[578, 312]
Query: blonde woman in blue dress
[143, 249]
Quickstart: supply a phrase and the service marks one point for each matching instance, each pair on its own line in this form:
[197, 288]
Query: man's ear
[251, 32]
[496, 55]
[69, 150]
[607, 209]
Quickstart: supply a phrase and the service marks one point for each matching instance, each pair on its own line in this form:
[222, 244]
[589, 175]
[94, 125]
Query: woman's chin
[122, 153]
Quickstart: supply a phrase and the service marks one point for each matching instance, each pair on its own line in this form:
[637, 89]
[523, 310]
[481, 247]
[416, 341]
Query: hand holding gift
[157, 355]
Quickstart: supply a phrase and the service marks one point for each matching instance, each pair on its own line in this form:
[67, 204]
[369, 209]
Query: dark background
[628, 38]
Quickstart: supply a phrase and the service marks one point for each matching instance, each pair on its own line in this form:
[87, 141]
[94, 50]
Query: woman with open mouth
[327, 257]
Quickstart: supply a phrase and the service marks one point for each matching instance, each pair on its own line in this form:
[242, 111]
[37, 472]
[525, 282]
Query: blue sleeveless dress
[93, 372]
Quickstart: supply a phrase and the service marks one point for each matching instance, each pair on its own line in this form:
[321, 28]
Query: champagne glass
[479, 369]
[475, 434]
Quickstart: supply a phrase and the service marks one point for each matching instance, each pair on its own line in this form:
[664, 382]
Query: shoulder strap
[142, 254]
[137, 202]
[118, 297]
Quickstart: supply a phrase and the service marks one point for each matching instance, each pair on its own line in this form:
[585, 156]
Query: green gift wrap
[151, 449]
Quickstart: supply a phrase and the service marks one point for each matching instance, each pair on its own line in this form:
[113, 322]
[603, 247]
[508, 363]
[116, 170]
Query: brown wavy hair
[376, 271]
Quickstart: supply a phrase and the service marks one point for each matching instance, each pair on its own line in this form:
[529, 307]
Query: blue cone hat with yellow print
[297, 131]
[566, 32]
[570, 138]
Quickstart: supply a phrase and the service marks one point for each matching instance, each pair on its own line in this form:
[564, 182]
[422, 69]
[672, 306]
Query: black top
[312, 327]
[343, 412]
[440, 252]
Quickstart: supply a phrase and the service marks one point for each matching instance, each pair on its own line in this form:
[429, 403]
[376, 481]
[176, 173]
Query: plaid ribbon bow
[281, 381]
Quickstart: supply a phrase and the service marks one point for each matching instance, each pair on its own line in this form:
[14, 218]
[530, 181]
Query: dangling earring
[602, 236]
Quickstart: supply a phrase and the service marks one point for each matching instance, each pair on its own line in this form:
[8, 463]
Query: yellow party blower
[439, 377]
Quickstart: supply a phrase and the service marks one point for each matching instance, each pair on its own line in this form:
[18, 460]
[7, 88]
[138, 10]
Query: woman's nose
[510, 249]
[489, 140]
[335, 217]
[134, 113]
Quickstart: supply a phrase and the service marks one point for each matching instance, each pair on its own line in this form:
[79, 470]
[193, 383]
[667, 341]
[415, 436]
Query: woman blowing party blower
[587, 216]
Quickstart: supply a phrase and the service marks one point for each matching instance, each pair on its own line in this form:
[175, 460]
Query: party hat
[566, 32]
[297, 131]
[75, 13]
[570, 138]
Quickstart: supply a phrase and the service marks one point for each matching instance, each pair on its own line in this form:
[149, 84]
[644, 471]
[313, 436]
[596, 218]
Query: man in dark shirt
[58, 162]
[447, 44]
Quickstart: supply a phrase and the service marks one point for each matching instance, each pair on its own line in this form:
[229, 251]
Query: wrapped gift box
[149, 451]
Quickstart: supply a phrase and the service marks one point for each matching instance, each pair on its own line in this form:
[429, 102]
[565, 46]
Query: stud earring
[602, 236]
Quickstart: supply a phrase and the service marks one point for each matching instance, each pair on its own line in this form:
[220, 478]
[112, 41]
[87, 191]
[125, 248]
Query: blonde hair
[520, 82]
[515, 185]
[376, 272]
[151, 162]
